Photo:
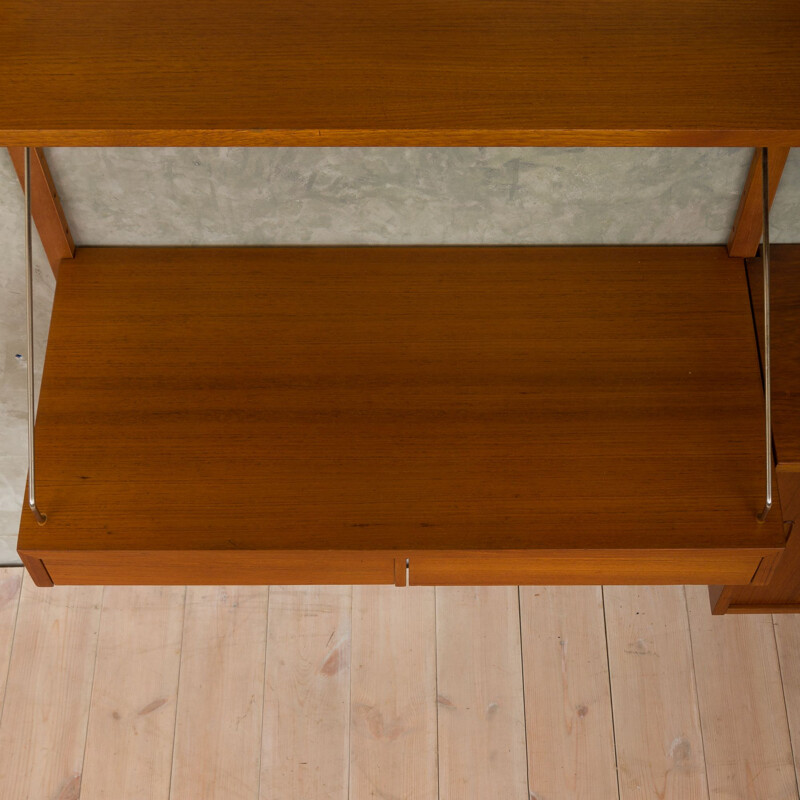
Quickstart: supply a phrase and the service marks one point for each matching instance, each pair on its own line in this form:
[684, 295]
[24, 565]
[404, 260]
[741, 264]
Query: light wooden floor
[400, 694]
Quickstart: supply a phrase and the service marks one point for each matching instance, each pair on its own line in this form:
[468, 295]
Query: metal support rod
[40, 518]
[767, 366]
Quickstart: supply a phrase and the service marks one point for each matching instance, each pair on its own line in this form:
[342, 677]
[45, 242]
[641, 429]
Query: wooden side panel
[134, 696]
[222, 679]
[393, 741]
[482, 751]
[657, 723]
[747, 227]
[747, 747]
[46, 210]
[48, 692]
[10, 585]
[570, 734]
[306, 728]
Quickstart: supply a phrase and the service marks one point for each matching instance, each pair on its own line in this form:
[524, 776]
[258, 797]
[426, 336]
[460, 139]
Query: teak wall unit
[498, 414]
[430, 415]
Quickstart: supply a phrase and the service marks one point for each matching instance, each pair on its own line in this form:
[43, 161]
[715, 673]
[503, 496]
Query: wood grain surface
[564, 700]
[393, 707]
[134, 694]
[217, 752]
[305, 737]
[480, 694]
[787, 640]
[416, 72]
[48, 693]
[10, 586]
[748, 749]
[658, 735]
[568, 719]
[299, 401]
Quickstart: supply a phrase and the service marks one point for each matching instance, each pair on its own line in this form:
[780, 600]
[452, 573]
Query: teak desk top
[573, 403]
[416, 72]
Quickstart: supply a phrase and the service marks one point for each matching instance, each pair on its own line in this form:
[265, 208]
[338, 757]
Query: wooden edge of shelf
[400, 137]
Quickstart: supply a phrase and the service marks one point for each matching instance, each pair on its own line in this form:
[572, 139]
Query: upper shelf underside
[416, 72]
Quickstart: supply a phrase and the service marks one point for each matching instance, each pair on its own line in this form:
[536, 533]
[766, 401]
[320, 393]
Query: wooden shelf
[416, 72]
[496, 414]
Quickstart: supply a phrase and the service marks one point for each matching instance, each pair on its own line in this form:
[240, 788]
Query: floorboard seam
[264, 692]
[350, 695]
[785, 705]
[611, 694]
[696, 692]
[524, 705]
[436, 690]
[91, 685]
[178, 693]
[11, 649]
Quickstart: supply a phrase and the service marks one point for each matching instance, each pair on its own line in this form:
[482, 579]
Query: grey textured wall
[366, 196]
[400, 195]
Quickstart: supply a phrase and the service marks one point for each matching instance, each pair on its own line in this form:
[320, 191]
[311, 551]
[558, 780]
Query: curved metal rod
[40, 518]
[767, 366]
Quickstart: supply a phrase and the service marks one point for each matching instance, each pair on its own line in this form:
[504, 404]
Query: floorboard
[567, 699]
[787, 637]
[10, 585]
[656, 717]
[393, 749]
[482, 749]
[747, 747]
[385, 693]
[217, 752]
[134, 698]
[46, 708]
[306, 728]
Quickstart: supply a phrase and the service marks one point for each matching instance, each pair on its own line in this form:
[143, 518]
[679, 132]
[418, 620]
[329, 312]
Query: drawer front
[633, 567]
[214, 567]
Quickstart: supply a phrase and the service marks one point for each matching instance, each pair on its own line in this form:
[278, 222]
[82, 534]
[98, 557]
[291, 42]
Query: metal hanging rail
[767, 365]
